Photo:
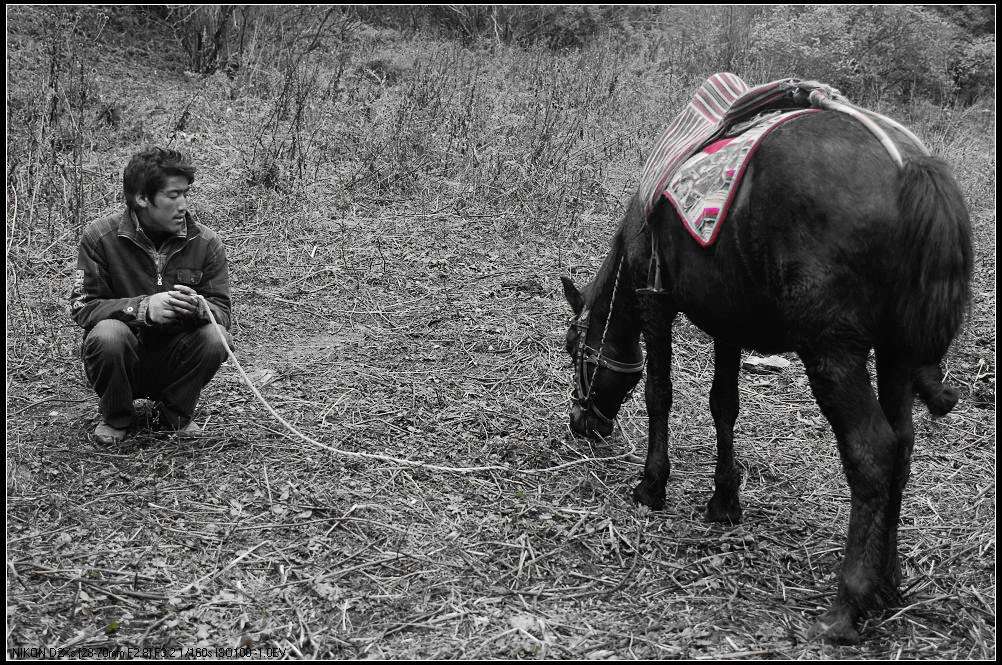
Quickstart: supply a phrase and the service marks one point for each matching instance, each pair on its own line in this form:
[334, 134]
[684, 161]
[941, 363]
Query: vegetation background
[399, 189]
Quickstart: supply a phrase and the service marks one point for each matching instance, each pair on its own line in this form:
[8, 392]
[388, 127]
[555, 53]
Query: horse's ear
[574, 297]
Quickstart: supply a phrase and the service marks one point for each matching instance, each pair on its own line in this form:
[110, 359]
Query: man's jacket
[118, 268]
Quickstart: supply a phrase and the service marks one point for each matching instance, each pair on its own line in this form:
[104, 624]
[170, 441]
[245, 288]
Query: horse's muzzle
[585, 424]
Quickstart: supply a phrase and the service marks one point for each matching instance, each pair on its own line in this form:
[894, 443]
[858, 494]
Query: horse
[831, 250]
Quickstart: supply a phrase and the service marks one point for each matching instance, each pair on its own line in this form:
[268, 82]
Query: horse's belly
[751, 328]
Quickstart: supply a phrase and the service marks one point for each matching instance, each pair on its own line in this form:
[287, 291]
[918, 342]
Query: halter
[585, 355]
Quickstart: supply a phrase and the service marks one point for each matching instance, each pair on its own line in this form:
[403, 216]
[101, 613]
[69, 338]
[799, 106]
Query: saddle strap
[654, 268]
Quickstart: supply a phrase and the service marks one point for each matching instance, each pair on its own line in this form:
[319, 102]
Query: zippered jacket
[119, 268]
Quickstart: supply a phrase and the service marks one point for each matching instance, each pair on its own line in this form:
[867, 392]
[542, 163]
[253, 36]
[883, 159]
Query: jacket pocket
[189, 277]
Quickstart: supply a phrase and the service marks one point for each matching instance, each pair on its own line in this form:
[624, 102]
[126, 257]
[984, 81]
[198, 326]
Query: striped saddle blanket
[700, 191]
[703, 187]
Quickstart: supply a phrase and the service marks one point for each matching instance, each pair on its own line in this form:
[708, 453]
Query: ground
[431, 329]
[247, 537]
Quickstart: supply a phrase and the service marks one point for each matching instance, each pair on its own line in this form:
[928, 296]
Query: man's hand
[169, 306]
[185, 301]
[159, 309]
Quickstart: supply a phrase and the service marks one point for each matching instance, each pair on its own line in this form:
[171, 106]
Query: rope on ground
[374, 456]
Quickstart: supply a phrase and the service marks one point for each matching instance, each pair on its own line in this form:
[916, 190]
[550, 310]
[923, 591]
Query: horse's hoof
[653, 500]
[725, 512]
[943, 403]
[894, 577]
[890, 596]
[835, 627]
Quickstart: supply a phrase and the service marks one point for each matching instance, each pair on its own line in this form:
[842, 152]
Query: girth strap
[654, 285]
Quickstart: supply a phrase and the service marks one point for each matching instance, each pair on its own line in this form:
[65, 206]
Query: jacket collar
[128, 227]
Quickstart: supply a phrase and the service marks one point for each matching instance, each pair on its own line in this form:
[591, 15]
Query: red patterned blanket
[723, 100]
[701, 190]
[702, 187]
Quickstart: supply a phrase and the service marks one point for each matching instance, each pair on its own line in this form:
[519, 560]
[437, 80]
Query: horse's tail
[933, 241]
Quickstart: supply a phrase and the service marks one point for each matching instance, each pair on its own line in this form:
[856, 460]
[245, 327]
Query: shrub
[866, 51]
[553, 26]
[973, 69]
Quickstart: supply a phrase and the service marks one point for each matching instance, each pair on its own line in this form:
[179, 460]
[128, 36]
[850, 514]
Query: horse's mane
[630, 230]
[599, 291]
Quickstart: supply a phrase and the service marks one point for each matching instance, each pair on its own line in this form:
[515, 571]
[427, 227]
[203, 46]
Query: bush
[973, 69]
[867, 52]
[553, 26]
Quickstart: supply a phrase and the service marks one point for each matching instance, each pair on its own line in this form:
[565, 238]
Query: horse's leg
[725, 505]
[658, 394]
[868, 448]
[894, 385]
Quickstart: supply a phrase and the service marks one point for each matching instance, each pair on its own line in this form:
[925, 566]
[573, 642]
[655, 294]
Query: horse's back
[807, 252]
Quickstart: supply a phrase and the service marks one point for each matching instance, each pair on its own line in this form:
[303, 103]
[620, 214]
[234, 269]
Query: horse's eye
[571, 340]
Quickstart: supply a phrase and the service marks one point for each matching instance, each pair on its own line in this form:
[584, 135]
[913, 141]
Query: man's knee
[109, 337]
[210, 342]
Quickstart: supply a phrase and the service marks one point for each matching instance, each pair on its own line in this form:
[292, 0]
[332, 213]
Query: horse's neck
[613, 290]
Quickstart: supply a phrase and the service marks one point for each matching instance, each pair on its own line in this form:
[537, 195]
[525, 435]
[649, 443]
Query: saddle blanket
[720, 102]
[703, 187]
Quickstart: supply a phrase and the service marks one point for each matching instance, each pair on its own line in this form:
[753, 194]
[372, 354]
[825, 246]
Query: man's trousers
[170, 369]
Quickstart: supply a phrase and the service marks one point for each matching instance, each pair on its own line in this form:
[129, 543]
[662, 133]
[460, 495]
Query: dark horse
[830, 250]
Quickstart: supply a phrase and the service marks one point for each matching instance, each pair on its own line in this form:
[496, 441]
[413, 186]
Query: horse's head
[607, 363]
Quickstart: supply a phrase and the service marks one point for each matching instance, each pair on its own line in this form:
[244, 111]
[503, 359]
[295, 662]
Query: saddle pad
[702, 188]
[718, 103]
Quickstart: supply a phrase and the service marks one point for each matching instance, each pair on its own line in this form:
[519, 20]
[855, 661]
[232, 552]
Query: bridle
[585, 355]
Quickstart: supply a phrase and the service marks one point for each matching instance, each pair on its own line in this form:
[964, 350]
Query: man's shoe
[145, 413]
[189, 431]
[107, 435]
[171, 422]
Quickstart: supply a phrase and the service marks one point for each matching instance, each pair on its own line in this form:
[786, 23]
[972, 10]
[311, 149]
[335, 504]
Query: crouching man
[138, 275]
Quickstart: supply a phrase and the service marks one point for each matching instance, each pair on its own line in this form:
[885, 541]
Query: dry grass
[425, 321]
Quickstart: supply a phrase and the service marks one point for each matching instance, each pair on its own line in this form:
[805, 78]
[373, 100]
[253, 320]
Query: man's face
[165, 214]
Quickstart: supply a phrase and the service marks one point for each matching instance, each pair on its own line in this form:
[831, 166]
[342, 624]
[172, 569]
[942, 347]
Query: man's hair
[149, 169]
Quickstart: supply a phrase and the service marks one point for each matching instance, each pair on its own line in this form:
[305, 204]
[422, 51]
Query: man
[138, 276]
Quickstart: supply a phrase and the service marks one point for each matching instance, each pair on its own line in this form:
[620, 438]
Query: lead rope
[374, 456]
[608, 319]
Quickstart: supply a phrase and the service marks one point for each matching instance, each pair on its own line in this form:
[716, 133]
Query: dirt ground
[420, 325]
[451, 353]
